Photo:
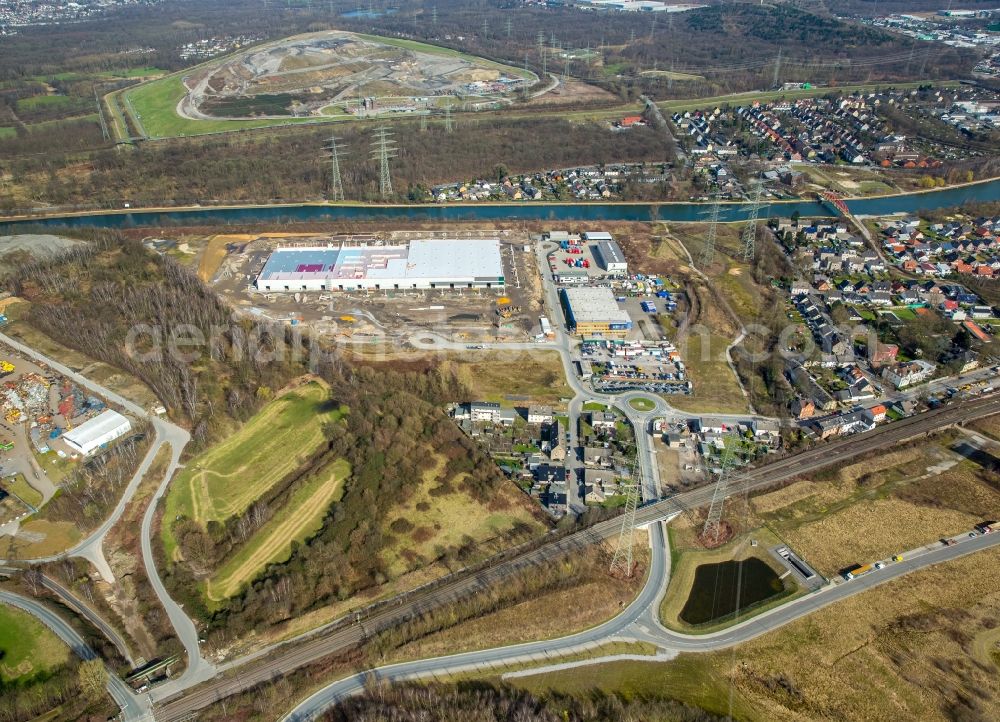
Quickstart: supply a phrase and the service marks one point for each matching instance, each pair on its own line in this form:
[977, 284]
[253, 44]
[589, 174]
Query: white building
[421, 264]
[610, 257]
[86, 438]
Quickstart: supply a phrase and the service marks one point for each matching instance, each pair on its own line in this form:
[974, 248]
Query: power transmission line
[622, 560]
[448, 125]
[710, 532]
[384, 148]
[777, 68]
[749, 239]
[708, 251]
[508, 27]
[334, 153]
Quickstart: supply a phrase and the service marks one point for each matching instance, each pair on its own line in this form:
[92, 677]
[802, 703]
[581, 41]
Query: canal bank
[555, 212]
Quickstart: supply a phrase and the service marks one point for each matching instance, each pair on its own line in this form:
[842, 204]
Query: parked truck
[858, 571]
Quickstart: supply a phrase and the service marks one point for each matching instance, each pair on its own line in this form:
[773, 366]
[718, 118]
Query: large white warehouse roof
[96, 432]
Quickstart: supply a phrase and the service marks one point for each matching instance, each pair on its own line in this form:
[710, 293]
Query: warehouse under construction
[418, 264]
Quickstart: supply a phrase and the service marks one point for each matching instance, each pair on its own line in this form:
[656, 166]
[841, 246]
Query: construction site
[396, 285]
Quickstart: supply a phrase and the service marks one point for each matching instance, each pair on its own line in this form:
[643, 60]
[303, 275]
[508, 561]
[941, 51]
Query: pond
[713, 595]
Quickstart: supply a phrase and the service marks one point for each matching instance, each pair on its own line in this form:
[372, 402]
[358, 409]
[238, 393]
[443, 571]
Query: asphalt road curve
[297, 653]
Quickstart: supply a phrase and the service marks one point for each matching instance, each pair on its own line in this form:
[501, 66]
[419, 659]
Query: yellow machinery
[6, 368]
[347, 319]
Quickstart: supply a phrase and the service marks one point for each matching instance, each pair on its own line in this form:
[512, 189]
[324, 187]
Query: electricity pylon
[777, 68]
[423, 122]
[711, 529]
[334, 153]
[622, 560]
[749, 239]
[708, 251]
[508, 27]
[448, 126]
[384, 148]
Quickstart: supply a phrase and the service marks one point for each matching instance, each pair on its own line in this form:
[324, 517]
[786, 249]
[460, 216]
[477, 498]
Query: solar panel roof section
[299, 263]
[421, 261]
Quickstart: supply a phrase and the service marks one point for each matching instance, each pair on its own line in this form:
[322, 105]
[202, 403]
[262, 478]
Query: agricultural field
[916, 648]
[225, 480]
[28, 650]
[299, 519]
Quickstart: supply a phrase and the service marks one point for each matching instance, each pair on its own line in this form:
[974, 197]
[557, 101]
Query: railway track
[306, 650]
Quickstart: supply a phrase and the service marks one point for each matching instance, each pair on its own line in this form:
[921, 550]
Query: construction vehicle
[6, 445]
[13, 416]
[6, 368]
[508, 311]
[347, 319]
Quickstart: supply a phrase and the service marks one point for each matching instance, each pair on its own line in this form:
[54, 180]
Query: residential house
[539, 414]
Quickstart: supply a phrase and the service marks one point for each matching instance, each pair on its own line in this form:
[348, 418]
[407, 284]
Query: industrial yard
[403, 285]
[46, 422]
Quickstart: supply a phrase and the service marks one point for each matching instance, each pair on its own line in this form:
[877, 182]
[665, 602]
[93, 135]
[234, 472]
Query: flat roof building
[86, 438]
[594, 312]
[420, 264]
[610, 257]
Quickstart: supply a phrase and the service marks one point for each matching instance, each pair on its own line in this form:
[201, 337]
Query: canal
[555, 212]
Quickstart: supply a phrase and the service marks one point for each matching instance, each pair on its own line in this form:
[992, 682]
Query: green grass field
[154, 106]
[19, 487]
[642, 404]
[7, 132]
[419, 47]
[299, 519]
[27, 648]
[225, 480]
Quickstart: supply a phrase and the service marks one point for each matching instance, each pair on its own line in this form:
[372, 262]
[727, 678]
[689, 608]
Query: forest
[262, 167]
[56, 139]
[485, 703]
[89, 299]
[93, 297]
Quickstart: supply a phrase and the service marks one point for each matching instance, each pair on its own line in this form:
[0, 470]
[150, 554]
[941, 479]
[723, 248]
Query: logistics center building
[594, 312]
[420, 264]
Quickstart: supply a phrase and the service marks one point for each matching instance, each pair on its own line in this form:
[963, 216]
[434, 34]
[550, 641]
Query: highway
[132, 707]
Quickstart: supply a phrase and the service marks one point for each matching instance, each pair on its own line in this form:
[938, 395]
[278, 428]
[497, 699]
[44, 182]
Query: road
[178, 702]
[296, 653]
[91, 548]
[133, 708]
[639, 622]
